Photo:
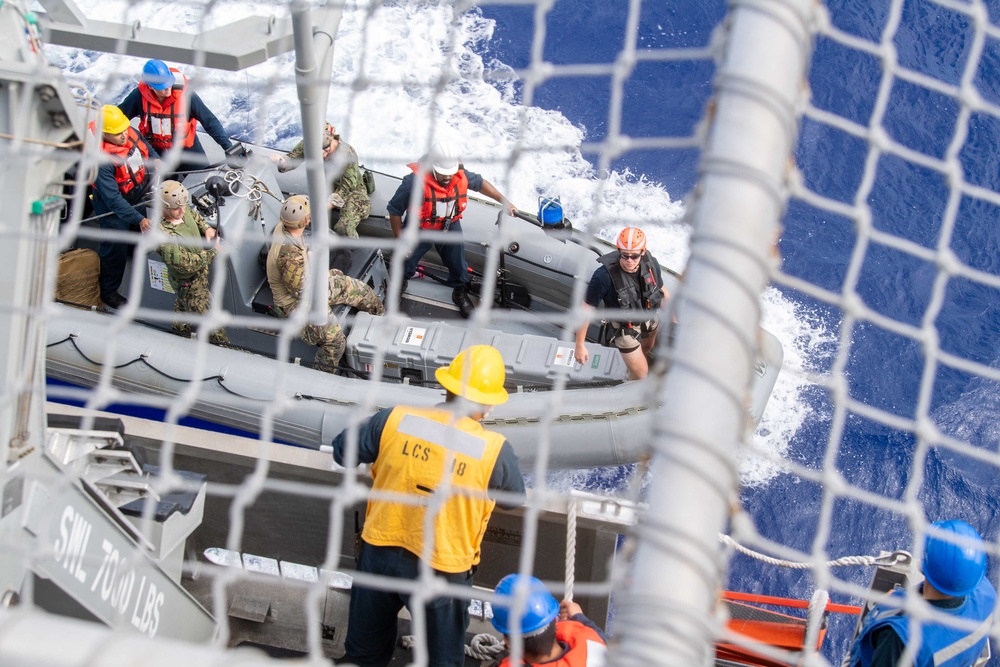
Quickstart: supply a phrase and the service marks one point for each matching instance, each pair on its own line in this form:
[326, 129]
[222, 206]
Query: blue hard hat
[954, 567]
[157, 75]
[538, 610]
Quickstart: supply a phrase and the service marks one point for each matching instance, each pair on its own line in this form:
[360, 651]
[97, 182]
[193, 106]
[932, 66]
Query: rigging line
[222, 384]
[892, 558]
[54, 144]
[71, 339]
[247, 75]
[321, 399]
[570, 549]
[219, 379]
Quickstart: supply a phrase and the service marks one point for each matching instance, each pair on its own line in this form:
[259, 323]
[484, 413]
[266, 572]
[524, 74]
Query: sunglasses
[631, 256]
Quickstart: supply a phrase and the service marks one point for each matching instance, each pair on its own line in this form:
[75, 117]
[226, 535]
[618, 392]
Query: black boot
[114, 300]
[460, 297]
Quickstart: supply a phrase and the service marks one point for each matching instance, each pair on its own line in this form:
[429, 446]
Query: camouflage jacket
[181, 254]
[286, 273]
[286, 269]
[348, 182]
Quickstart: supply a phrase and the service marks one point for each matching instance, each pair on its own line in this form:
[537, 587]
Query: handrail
[788, 602]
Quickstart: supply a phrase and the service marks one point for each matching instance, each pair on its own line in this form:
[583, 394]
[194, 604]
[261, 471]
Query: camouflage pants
[354, 293]
[194, 296]
[356, 208]
[330, 340]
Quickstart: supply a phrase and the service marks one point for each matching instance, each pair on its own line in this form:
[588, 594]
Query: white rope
[570, 549]
[891, 559]
[483, 646]
[814, 618]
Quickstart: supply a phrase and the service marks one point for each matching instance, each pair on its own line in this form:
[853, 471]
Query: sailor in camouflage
[287, 266]
[187, 262]
[349, 202]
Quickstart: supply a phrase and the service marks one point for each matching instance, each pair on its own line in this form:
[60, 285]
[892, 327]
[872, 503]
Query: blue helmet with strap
[157, 75]
[954, 557]
[538, 610]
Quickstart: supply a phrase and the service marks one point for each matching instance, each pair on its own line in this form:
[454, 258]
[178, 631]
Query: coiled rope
[256, 189]
[483, 646]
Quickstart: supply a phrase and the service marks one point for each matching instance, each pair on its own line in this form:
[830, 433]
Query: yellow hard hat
[477, 374]
[114, 121]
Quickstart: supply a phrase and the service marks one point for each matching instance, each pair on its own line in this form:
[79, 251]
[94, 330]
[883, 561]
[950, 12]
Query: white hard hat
[444, 158]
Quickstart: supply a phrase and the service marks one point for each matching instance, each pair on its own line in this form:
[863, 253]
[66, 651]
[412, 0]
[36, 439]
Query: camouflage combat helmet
[174, 195]
[295, 212]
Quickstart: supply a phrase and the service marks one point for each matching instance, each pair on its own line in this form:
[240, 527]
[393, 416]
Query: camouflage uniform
[349, 184]
[286, 271]
[187, 269]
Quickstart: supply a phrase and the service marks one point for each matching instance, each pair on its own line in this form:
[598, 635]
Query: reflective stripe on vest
[457, 441]
[160, 120]
[942, 643]
[134, 161]
[442, 205]
[129, 160]
[945, 654]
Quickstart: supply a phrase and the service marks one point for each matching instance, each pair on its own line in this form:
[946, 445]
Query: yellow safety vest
[433, 461]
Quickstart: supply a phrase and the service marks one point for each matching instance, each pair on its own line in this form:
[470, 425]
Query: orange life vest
[159, 121]
[129, 160]
[443, 204]
[584, 647]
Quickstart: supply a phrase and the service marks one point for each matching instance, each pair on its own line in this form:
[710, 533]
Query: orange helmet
[632, 239]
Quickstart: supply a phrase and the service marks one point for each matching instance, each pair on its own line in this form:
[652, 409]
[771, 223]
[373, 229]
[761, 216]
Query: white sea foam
[804, 338]
[400, 53]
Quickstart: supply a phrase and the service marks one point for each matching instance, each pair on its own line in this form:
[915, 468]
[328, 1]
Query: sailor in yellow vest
[450, 469]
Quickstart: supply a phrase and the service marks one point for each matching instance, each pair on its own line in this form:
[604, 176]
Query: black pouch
[262, 257]
[369, 179]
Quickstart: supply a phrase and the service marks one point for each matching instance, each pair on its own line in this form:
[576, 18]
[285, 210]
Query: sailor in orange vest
[167, 112]
[451, 470]
[571, 641]
[118, 190]
[445, 195]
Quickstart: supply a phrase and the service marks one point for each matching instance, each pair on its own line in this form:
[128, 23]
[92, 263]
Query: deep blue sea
[883, 369]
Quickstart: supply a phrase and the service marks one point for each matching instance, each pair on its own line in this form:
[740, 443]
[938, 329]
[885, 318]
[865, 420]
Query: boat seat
[263, 301]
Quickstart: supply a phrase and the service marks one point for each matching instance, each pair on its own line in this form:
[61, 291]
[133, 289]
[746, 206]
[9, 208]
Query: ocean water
[567, 125]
